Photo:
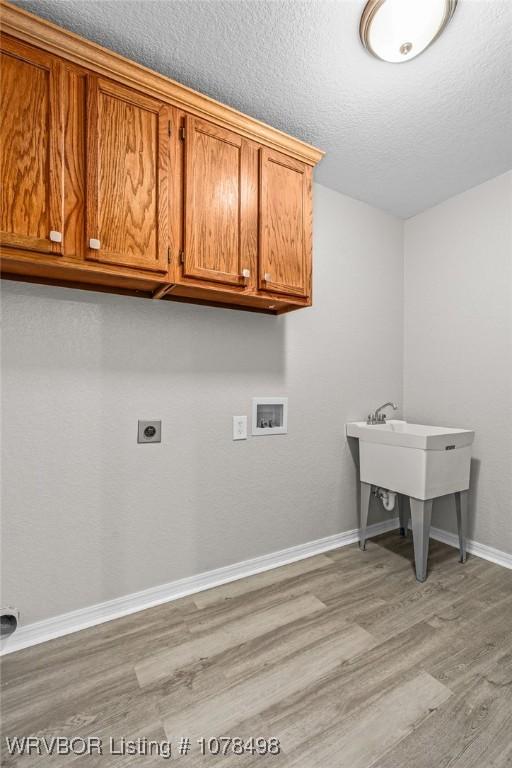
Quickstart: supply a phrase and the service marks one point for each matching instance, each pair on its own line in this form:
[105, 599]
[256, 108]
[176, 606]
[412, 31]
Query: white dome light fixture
[399, 30]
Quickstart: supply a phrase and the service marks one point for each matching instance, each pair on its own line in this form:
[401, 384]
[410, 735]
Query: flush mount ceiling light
[399, 30]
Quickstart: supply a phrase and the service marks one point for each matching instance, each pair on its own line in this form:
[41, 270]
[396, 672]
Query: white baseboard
[66, 623]
[473, 547]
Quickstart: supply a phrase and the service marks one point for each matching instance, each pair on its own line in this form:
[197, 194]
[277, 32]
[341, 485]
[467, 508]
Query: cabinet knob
[94, 244]
[267, 277]
[246, 272]
[55, 237]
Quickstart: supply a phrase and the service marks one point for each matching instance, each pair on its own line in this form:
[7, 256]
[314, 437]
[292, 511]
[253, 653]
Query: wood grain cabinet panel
[75, 88]
[284, 225]
[127, 184]
[214, 205]
[31, 139]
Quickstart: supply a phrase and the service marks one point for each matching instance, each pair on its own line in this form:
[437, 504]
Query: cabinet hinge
[169, 128]
[182, 257]
[182, 133]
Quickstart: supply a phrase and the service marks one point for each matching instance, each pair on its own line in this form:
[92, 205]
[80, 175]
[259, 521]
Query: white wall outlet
[239, 427]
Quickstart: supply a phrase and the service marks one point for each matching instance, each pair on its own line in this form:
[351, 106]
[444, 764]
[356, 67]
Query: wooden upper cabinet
[117, 177]
[215, 178]
[284, 225]
[127, 185]
[31, 138]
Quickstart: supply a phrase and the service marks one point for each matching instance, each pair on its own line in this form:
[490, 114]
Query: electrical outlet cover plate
[239, 427]
[149, 432]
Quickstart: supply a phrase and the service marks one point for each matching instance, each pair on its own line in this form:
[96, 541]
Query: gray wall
[458, 342]
[89, 515]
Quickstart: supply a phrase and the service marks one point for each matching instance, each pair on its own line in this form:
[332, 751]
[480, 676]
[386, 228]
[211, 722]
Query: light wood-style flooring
[343, 657]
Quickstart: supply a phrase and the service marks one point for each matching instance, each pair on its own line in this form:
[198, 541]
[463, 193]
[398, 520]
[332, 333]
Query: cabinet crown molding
[80, 51]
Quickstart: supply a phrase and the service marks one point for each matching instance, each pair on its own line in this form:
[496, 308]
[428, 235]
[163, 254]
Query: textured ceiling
[400, 137]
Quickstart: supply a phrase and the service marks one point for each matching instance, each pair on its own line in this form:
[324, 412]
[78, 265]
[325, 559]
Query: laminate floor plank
[271, 649]
[214, 675]
[120, 717]
[480, 649]
[406, 609]
[260, 581]
[121, 639]
[232, 634]
[151, 732]
[301, 718]
[469, 731]
[360, 739]
[344, 657]
[32, 707]
[216, 614]
[220, 712]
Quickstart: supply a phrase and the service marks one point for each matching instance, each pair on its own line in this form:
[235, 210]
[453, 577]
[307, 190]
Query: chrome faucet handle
[376, 417]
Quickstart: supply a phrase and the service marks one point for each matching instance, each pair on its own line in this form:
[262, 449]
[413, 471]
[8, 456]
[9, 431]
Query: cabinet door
[127, 160]
[31, 138]
[284, 225]
[216, 170]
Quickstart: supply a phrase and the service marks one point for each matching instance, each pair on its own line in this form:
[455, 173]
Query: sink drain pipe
[388, 498]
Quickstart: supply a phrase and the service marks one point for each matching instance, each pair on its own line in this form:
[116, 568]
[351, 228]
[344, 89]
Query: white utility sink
[413, 459]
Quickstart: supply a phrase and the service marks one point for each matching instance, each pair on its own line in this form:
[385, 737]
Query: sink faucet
[376, 417]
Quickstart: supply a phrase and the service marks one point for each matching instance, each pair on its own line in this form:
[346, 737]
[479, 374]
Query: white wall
[458, 342]
[89, 515]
